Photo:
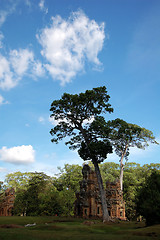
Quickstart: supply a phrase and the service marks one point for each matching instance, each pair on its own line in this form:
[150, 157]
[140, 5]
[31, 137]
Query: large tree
[122, 136]
[73, 114]
[125, 135]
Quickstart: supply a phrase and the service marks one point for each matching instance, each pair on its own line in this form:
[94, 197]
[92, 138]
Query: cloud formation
[18, 155]
[13, 68]
[4, 13]
[2, 101]
[20, 59]
[42, 6]
[68, 44]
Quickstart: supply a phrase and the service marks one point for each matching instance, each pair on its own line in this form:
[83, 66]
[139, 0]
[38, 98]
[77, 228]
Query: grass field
[49, 228]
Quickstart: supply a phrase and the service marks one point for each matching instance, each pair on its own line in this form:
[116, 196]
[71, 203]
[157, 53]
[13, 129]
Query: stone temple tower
[88, 203]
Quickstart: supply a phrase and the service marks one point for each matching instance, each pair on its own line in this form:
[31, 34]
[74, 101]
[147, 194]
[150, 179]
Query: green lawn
[48, 228]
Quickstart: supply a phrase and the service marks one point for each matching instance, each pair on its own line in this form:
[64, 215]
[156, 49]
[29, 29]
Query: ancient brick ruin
[7, 202]
[88, 203]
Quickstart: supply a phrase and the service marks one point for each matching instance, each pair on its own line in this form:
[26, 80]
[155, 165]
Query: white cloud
[20, 60]
[18, 155]
[19, 63]
[3, 169]
[2, 101]
[67, 44]
[48, 169]
[5, 13]
[41, 119]
[42, 6]
[6, 76]
[37, 69]
[3, 16]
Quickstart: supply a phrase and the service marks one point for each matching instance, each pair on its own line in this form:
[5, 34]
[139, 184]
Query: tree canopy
[73, 114]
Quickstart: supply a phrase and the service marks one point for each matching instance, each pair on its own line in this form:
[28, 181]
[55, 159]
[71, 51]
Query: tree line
[39, 194]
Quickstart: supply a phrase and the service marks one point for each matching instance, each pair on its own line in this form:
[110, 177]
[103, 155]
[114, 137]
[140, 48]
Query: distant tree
[28, 200]
[135, 176]
[67, 197]
[36, 186]
[2, 193]
[51, 202]
[109, 171]
[69, 177]
[73, 113]
[2, 187]
[20, 203]
[18, 180]
[67, 184]
[148, 203]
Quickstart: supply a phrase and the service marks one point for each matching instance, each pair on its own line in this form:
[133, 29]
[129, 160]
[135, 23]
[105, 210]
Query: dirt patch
[11, 226]
[88, 223]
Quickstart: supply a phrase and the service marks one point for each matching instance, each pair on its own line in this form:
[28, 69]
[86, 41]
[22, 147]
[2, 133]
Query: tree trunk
[102, 193]
[99, 178]
[121, 173]
[122, 166]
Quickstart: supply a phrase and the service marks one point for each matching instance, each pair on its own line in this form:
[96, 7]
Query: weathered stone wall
[7, 203]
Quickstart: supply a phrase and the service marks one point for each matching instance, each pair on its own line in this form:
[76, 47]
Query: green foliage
[148, 203]
[68, 198]
[73, 113]
[44, 195]
[28, 200]
[2, 187]
[124, 135]
[134, 178]
[18, 180]
[50, 202]
[97, 148]
[69, 177]
[20, 204]
[67, 183]
[109, 171]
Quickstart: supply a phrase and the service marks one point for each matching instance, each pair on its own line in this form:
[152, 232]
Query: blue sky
[51, 47]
